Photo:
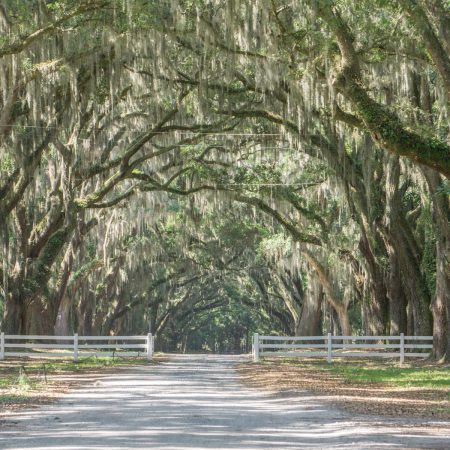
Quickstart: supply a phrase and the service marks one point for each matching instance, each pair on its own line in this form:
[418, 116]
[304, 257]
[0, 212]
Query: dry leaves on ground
[372, 398]
[47, 387]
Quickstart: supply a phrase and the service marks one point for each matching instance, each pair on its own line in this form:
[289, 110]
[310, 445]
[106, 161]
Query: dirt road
[197, 402]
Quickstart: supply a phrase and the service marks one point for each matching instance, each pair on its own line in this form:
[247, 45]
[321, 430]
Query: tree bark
[311, 311]
[397, 300]
[401, 242]
[377, 304]
[441, 301]
[339, 306]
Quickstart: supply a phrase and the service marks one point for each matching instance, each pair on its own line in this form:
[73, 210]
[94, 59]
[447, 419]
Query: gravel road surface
[196, 402]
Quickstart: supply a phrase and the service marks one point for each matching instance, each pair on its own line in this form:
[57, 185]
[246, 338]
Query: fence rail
[31, 346]
[331, 347]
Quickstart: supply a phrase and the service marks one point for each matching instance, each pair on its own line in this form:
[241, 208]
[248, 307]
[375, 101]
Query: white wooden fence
[342, 346]
[75, 346]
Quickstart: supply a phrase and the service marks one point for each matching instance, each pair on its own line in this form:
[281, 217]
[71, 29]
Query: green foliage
[276, 244]
[444, 188]
[228, 329]
[248, 172]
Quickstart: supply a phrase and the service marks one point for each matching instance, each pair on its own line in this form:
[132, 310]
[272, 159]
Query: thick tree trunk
[397, 305]
[311, 312]
[410, 321]
[33, 282]
[63, 299]
[344, 321]
[377, 305]
[14, 315]
[87, 324]
[397, 300]
[441, 302]
[339, 305]
[414, 284]
[39, 319]
[62, 323]
[85, 311]
[402, 245]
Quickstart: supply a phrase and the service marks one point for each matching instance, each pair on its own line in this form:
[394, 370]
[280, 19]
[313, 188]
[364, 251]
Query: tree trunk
[441, 302]
[39, 319]
[311, 312]
[62, 324]
[402, 244]
[344, 321]
[14, 315]
[377, 305]
[397, 300]
[414, 285]
[339, 306]
[440, 305]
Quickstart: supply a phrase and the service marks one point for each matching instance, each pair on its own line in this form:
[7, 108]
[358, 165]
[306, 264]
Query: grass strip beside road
[25, 383]
[361, 386]
[402, 377]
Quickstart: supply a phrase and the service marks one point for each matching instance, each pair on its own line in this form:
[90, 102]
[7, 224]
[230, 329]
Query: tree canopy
[206, 169]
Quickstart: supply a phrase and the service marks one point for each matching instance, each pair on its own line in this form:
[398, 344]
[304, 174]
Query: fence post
[329, 348]
[149, 346]
[2, 345]
[256, 347]
[402, 348]
[75, 347]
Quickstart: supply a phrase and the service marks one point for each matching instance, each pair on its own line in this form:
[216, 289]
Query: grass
[25, 381]
[366, 386]
[85, 364]
[372, 371]
[402, 377]
[68, 366]
[17, 388]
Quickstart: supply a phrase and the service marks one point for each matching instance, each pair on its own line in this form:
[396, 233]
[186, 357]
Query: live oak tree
[327, 120]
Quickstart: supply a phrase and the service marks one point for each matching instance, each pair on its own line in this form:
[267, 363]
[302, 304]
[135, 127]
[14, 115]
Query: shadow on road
[197, 402]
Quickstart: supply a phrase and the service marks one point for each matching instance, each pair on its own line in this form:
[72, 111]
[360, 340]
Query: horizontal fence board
[37, 337]
[108, 354]
[71, 338]
[293, 354]
[107, 346]
[70, 355]
[36, 346]
[362, 354]
[292, 338]
[418, 338]
[111, 338]
[365, 338]
[369, 346]
[419, 346]
[39, 354]
[312, 346]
